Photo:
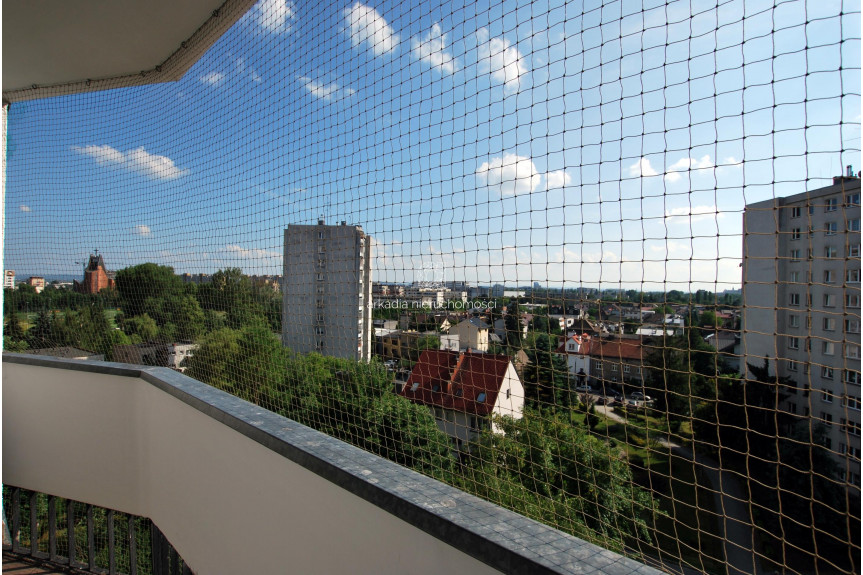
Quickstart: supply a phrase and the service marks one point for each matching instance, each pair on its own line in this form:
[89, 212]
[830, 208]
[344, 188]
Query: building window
[792, 407]
[828, 347]
[795, 212]
[806, 370]
[793, 321]
[320, 330]
[852, 351]
[851, 402]
[832, 205]
[829, 276]
[830, 228]
[852, 200]
[795, 255]
[852, 300]
[829, 300]
[852, 377]
[852, 276]
[614, 367]
[826, 418]
[852, 326]
[825, 395]
[626, 368]
[599, 366]
[854, 225]
[794, 299]
[827, 372]
[829, 324]
[794, 342]
[854, 251]
[830, 252]
[795, 234]
[792, 366]
[852, 427]
[794, 277]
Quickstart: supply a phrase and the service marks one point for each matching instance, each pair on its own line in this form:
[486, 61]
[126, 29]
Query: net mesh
[598, 263]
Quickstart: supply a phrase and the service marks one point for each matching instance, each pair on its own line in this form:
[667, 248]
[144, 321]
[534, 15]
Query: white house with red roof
[576, 348]
[463, 390]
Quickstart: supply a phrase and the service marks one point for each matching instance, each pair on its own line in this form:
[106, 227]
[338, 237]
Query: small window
[854, 251]
[827, 373]
[794, 299]
[794, 277]
[851, 402]
[459, 392]
[481, 397]
[614, 367]
[825, 395]
[830, 252]
[795, 212]
[831, 205]
[436, 387]
[792, 366]
[829, 300]
[852, 351]
[826, 418]
[852, 276]
[828, 347]
[794, 342]
[829, 277]
[508, 393]
[796, 233]
[795, 255]
[852, 326]
[852, 377]
[852, 200]
[829, 324]
[854, 225]
[852, 300]
[830, 228]
[793, 321]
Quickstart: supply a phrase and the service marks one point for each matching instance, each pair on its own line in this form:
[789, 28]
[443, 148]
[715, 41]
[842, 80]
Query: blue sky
[569, 143]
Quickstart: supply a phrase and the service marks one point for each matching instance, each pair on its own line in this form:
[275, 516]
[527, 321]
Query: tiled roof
[617, 349]
[455, 381]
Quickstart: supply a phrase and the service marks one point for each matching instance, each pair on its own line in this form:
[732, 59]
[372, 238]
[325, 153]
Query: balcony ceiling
[53, 47]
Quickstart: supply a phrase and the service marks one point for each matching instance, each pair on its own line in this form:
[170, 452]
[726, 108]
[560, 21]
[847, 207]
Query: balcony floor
[25, 565]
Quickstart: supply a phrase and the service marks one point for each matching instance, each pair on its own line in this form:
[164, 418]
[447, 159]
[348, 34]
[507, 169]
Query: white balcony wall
[227, 503]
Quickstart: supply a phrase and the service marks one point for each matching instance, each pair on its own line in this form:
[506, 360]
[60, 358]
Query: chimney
[344, 223]
[320, 222]
[849, 171]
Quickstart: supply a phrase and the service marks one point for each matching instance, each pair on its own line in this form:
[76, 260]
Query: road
[731, 506]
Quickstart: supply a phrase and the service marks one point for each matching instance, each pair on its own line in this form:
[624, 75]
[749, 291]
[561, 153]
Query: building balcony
[238, 489]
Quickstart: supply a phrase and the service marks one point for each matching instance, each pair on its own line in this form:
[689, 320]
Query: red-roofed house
[463, 390]
[617, 361]
[576, 348]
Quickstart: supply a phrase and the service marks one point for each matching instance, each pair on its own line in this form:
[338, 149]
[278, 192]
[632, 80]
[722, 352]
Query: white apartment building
[327, 291]
[801, 307]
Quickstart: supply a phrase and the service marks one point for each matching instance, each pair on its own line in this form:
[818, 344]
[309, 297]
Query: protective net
[598, 263]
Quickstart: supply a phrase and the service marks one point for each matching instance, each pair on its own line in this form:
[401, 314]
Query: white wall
[227, 503]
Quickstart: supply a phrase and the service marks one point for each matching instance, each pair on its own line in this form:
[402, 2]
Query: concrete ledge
[496, 537]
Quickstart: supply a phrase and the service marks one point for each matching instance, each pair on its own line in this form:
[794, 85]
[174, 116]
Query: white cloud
[557, 179]
[138, 160]
[368, 27]
[673, 173]
[254, 253]
[431, 49]
[509, 175]
[213, 78]
[24, 208]
[141, 230]
[642, 168]
[330, 92]
[274, 16]
[502, 61]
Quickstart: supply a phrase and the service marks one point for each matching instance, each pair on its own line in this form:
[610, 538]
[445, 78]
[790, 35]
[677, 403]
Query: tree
[709, 320]
[138, 284]
[13, 329]
[546, 376]
[512, 324]
[143, 326]
[39, 335]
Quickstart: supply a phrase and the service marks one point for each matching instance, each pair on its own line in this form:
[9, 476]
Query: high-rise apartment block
[327, 291]
[801, 308]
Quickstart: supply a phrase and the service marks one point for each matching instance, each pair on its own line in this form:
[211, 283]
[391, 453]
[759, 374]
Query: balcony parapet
[237, 488]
